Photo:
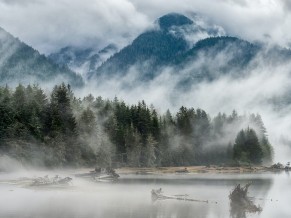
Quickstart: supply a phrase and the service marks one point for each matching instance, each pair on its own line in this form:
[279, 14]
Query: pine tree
[6, 112]
[133, 146]
[150, 152]
[87, 122]
[247, 147]
[155, 126]
[62, 119]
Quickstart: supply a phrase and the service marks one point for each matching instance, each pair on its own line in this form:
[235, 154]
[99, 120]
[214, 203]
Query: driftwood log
[46, 181]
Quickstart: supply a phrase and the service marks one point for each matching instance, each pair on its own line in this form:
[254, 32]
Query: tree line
[59, 129]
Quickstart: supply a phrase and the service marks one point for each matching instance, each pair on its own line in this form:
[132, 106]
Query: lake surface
[131, 196]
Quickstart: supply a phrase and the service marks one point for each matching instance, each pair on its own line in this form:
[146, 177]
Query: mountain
[194, 48]
[148, 52]
[82, 60]
[172, 37]
[20, 63]
[213, 57]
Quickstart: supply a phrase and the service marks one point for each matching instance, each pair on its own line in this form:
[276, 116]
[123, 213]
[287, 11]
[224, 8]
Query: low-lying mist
[259, 88]
[131, 196]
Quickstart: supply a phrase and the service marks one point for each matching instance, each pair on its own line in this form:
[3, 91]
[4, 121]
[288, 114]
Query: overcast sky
[48, 25]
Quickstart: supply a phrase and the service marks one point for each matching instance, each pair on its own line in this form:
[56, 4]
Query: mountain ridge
[20, 63]
[82, 60]
[211, 56]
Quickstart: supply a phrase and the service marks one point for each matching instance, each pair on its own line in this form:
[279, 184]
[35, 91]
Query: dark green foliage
[185, 119]
[87, 121]
[267, 149]
[7, 115]
[247, 147]
[61, 118]
[63, 130]
[28, 117]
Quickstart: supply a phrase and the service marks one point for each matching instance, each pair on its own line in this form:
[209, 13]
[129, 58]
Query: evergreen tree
[62, 119]
[247, 147]
[133, 145]
[89, 131]
[151, 152]
[155, 126]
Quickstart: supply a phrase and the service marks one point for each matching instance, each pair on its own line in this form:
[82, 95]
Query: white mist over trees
[62, 130]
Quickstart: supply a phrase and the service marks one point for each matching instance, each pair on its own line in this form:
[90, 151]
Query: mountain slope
[19, 63]
[213, 57]
[173, 37]
[148, 52]
[197, 50]
[82, 60]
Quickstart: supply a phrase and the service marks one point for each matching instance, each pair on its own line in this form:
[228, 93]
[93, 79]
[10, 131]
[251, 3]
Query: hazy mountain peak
[191, 29]
[173, 19]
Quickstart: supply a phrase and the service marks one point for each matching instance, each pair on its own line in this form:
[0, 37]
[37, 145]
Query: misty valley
[128, 109]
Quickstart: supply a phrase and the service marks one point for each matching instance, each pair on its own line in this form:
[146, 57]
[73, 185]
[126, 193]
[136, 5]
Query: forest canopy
[62, 130]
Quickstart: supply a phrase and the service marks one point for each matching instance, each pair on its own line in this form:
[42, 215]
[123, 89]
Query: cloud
[242, 3]
[287, 5]
[247, 19]
[49, 25]
[18, 2]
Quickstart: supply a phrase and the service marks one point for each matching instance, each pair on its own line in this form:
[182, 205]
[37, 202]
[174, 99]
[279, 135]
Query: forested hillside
[20, 63]
[58, 129]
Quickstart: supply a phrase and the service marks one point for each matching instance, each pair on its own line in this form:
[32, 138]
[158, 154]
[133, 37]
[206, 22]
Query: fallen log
[98, 173]
[46, 181]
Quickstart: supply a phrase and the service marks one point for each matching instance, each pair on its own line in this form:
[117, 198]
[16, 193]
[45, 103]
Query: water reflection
[241, 203]
[131, 197]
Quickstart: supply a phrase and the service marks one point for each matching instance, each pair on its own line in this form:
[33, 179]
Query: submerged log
[158, 195]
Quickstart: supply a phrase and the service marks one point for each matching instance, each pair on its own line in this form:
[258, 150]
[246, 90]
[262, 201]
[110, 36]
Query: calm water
[131, 197]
